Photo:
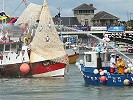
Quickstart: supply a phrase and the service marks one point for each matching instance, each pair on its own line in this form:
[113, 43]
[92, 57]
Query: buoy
[95, 71]
[129, 69]
[130, 65]
[103, 78]
[125, 71]
[105, 71]
[24, 68]
[126, 82]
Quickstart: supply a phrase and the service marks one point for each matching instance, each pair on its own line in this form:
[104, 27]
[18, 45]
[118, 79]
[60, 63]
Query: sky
[123, 9]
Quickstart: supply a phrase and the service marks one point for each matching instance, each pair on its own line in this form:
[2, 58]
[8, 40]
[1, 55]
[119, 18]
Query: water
[70, 87]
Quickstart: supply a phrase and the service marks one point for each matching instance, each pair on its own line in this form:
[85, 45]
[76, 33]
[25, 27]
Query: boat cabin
[10, 46]
[13, 52]
[90, 59]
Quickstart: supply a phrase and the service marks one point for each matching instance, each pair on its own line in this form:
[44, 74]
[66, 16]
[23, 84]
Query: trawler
[43, 57]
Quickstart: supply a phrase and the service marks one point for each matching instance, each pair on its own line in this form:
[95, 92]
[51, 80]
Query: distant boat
[43, 57]
[71, 47]
[95, 68]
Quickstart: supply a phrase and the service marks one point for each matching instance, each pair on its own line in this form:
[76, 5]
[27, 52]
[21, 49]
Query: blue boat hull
[111, 79]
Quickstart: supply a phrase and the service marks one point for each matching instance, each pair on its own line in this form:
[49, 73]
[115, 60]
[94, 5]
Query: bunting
[25, 2]
[3, 16]
[24, 28]
[5, 36]
[13, 20]
[28, 38]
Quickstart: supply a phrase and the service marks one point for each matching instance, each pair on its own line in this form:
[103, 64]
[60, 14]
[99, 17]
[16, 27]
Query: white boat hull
[55, 73]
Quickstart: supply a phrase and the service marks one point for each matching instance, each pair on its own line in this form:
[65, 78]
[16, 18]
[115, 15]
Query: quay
[89, 32]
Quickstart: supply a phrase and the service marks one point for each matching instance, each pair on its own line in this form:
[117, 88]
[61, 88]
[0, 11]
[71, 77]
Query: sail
[46, 42]
[30, 15]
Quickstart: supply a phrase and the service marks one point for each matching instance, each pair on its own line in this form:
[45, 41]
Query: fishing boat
[71, 47]
[43, 57]
[95, 68]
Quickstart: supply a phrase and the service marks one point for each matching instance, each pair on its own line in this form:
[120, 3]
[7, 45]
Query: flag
[13, 20]
[24, 28]
[3, 16]
[5, 36]
[27, 38]
[58, 15]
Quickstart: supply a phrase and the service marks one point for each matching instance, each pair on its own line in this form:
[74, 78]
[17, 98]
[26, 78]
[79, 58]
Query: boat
[71, 47]
[43, 57]
[95, 68]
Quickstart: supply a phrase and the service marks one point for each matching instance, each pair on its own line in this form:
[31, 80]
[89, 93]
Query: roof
[68, 20]
[104, 15]
[85, 7]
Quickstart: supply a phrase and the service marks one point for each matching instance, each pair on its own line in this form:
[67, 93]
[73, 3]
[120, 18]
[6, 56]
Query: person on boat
[112, 63]
[120, 65]
[116, 58]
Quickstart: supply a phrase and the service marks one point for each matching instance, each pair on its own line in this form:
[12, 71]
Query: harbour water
[70, 87]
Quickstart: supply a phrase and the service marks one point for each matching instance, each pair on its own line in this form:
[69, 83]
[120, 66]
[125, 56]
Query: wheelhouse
[10, 46]
[90, 59]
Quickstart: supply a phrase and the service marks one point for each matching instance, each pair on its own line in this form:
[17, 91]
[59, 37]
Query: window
[19, 47]
[13, 47]
[1, 47]
[88, 58]
[76, 12]
[86, 11]
[91, 11]
[7, 47]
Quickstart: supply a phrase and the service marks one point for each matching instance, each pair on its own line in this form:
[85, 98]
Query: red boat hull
[38, 69]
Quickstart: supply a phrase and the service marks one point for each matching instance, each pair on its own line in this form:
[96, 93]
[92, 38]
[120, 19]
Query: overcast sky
[122, 9]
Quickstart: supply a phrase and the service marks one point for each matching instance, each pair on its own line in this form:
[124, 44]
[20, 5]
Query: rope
[23, 1]
[109, 45]
[17, 8]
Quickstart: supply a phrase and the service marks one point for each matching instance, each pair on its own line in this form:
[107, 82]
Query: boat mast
[58, 18]
[59, 9]
[3, 9]
[3, 5]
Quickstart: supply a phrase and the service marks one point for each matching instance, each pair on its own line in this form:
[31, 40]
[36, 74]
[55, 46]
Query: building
[84, 14]
[67, 21]
[103, 18]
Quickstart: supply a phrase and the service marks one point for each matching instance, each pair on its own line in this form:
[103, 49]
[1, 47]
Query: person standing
[112, 63]
[120, 65]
